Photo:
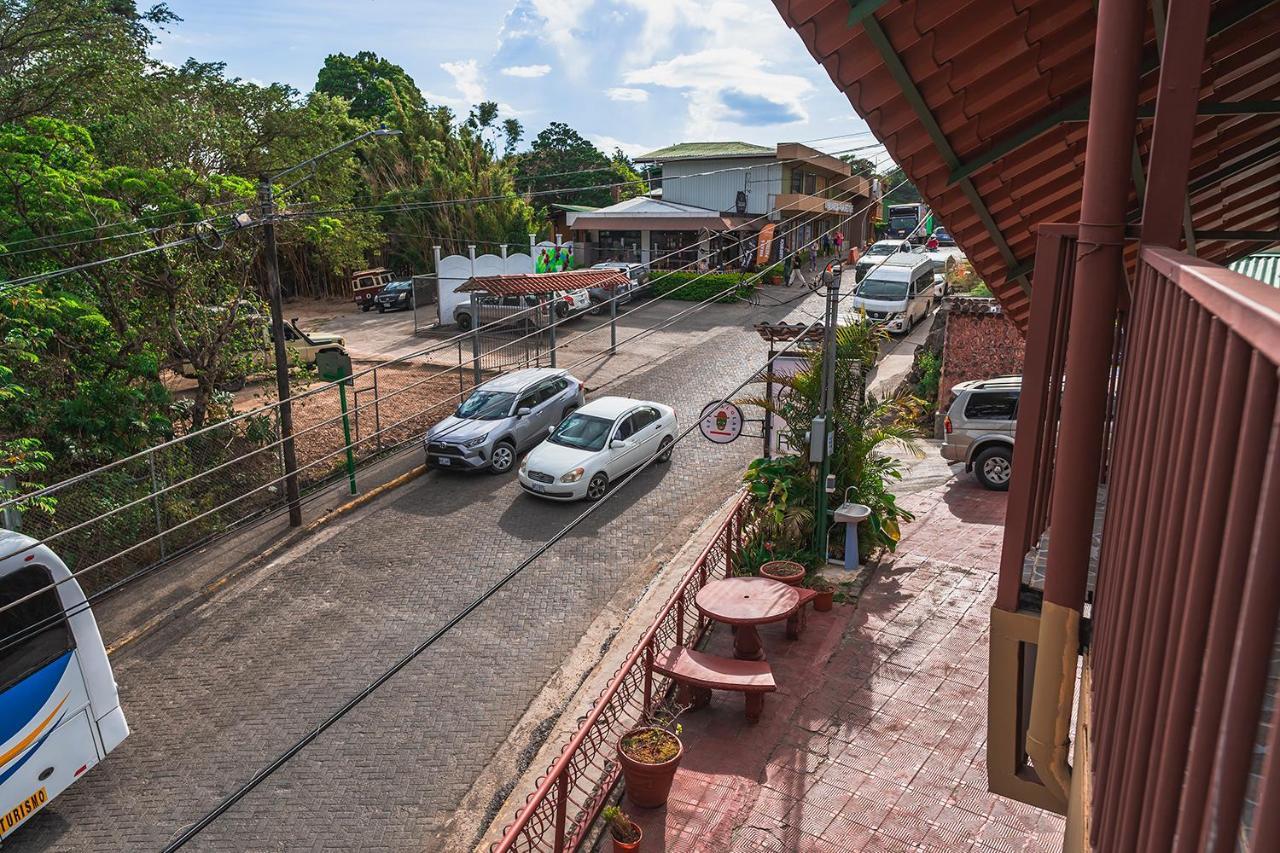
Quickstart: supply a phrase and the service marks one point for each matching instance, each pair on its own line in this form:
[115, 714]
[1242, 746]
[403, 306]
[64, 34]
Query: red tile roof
[547, 282]
[988, 70]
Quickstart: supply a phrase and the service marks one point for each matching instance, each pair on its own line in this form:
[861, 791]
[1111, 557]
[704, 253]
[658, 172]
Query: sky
[632, 74]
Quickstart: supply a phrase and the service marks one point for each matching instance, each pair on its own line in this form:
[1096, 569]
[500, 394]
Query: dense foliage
[106, 153]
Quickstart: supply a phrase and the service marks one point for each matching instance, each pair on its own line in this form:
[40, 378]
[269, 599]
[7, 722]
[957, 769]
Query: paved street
[213, 696]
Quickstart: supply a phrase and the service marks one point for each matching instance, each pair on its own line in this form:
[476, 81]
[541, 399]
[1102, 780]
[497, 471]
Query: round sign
[721, 422]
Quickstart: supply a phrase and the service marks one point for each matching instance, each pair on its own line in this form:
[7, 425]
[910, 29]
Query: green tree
[561, 164]
[375, 87]
[69, 58]
[905, 194]
[861, 165]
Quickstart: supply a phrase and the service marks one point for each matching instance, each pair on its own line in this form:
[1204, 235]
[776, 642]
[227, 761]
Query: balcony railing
[1178, 745]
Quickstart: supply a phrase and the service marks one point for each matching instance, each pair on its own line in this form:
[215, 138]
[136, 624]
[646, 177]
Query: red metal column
[1099, 279]
[1177, 97]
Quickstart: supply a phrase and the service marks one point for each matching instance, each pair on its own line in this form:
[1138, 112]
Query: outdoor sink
[852, 513]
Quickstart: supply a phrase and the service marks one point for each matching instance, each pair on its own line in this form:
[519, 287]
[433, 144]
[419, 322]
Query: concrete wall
[762, 179]
[981, 342]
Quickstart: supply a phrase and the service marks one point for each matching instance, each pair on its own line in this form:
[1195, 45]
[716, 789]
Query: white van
[897, 293]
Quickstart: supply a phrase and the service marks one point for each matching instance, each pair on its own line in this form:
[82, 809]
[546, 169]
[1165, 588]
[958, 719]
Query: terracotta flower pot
[783, 570]
[822, 603]
[648, 785]
[627, 846]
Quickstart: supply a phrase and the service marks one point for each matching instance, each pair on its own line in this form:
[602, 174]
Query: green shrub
[982, 291]
[930, 367]
[730, 286]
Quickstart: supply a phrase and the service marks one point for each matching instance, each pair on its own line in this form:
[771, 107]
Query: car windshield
[486, 406]
[874, 288]
[883, 249]
[397, 285]
[582, 432]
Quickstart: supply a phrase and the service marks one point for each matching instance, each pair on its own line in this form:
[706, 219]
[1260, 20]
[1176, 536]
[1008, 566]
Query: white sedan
[597, 445]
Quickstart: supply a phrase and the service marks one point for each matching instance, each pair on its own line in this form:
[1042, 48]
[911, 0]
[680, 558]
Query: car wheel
[504, 456]
[597, 487]
[464, 322]
[365, 307]
[382, 309]
[568, 410]
[994, 468]
[562, 310]
[664, 449]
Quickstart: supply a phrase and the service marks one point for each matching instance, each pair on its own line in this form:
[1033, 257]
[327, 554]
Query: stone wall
[981, 342]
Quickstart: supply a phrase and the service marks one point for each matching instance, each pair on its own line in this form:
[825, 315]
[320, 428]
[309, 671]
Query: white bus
[59, 710]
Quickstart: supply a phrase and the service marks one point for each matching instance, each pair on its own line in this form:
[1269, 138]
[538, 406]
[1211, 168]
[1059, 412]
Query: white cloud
[466, 76]
[622, 93]
[527, 71]
[632, 149]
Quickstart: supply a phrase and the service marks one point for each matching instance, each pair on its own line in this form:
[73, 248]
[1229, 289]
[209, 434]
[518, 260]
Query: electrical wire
[190, 832]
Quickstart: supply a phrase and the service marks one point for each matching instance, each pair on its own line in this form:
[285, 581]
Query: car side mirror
[522, 411]
[617, 443]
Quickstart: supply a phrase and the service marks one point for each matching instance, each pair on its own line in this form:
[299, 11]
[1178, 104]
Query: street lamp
[266, 200]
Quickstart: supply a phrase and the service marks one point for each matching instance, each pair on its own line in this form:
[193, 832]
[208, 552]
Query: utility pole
[267, 200]
[822, 433]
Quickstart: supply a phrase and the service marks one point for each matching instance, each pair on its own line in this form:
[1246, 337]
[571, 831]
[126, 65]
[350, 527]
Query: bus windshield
[884, 291]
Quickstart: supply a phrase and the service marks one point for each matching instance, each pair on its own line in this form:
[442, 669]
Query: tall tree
[561, 165]
[375, 87]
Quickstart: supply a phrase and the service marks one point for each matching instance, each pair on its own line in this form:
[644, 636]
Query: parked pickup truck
[367, 284]
[301, 346]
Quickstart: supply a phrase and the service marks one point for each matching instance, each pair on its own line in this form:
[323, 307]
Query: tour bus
[898, 292]
[59, 711]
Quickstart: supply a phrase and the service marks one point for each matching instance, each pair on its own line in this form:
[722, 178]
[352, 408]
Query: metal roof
[539, 283]
[704, 150]
[983, 103]
[1264, 266]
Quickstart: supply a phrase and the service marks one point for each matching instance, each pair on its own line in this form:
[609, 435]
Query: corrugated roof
[701, 150]
[1007, 83]
[1264, 266]
[540, 283]
[574, 208]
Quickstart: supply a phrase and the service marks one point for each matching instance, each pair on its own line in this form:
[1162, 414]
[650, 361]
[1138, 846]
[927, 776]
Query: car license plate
[443, 461]
[537, 487]
[22, 811]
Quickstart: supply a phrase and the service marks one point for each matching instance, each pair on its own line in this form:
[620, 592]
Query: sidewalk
[876, 737]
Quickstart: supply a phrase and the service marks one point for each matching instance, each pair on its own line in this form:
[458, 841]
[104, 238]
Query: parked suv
[637, 281]
[979, 427]
[503, 417]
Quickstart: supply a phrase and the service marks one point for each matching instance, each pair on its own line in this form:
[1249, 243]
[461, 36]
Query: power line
[199, 826]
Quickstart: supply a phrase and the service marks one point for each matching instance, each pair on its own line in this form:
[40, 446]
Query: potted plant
[623, 830]
[783, 570]
[649, 756]
[826, 593]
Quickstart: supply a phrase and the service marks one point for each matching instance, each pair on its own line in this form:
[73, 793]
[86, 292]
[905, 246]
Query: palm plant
[864, 426]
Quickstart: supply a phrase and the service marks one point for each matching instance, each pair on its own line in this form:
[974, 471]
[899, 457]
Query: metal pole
[768, 395]
[289, 453]
[613, 323]
[155, 502]
[828, 396]
[475, 357]
[554, 321]
[377, 411]
[346, 434]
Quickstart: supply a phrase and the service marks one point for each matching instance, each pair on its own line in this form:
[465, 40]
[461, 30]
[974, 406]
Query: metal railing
[558, 815]
[1185, 739]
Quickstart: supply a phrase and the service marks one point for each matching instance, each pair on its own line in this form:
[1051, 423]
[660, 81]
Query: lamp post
[267, 205]
[822, 434]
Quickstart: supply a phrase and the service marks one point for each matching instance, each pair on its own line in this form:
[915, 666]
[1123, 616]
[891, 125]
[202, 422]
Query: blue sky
[638, 74]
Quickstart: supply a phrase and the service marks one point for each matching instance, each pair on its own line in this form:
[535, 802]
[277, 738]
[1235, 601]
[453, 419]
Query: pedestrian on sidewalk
[826, 244]
[813, 256]
[796, 278]
[839, 242]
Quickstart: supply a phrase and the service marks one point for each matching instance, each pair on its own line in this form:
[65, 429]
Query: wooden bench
[698, 673]
[795, 622]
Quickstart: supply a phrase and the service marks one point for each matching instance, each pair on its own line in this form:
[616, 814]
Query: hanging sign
[721, 422]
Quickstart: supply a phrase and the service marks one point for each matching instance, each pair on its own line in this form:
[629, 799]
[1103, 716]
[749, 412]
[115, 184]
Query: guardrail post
[155, 502]
[377, 411]
[680, 620]
[562, 808]
[554, 321]
[475, 357]
[613, 323]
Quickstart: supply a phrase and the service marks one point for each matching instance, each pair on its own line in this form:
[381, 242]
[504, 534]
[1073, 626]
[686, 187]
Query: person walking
[813, 257]
[839, 243]
[826, 244]
[796, 279]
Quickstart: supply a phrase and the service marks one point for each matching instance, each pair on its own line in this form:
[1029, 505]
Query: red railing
[557, 816]
[1185, 735]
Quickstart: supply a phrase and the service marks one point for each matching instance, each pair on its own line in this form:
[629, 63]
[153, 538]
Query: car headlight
[524, 465]
[403, 296]
[573, 476]
[477, 441]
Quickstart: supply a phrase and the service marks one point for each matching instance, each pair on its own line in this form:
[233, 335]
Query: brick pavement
[876, 738]
[212, 696]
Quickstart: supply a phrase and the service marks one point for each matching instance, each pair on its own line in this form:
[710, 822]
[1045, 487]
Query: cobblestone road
[214, 695]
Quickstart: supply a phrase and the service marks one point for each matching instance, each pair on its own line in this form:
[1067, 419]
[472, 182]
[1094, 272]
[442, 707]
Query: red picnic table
[746, 603]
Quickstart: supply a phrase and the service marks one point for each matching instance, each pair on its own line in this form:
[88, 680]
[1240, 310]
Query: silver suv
[979, 427]
[503, 417]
